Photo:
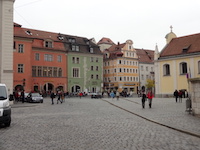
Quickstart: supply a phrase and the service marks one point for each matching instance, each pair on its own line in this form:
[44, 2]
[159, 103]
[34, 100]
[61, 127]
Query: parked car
[96, 95]
[35, 98]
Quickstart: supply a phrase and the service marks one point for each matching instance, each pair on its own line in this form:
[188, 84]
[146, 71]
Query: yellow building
[121, 68]
[178, 61]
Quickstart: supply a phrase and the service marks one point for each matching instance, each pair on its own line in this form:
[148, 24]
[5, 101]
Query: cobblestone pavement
[97, 124]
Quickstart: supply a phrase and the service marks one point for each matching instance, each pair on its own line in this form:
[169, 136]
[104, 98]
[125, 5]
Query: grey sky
[145, 22]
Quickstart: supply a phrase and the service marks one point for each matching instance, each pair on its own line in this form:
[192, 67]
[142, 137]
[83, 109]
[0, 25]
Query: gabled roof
[145, 56]
[182, 45]
[116, 47]
[106, 41]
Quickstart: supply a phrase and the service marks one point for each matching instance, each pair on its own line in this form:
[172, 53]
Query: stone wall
[194, 86]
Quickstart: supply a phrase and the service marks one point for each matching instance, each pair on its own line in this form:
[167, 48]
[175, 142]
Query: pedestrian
[176, 95]
[52, 97]
[59, 97]
[112, 95]
[117, 95]
[22, 96]
[143, 99]
[150, 97]
[80, 94]
[180, 94]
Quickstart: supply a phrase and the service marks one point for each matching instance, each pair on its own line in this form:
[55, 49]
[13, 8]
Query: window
[91, 50]
[77, 60]
[45, 71]
[48, 44]
[48, 57]
[73, 60]
[142, 68]
[147, 69]
[120, 62]
[97, 60]
[39, 71]
[183, 68]
[59, 72]
[92, 68]
[20, 48]
[97, 68]
[59, 58]
[142, 77]
[34, 71]
[91, 59]
[20, 68]
[92, 76]
[55, 71]
[166, 70]
[97, 76]
[37, 56]
[50, 72]
[75, 72]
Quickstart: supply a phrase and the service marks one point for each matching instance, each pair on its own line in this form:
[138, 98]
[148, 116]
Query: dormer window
[185, 49]
[60, 37]
[71, 40]
[29, 32]
[75, 48]
[49, 44]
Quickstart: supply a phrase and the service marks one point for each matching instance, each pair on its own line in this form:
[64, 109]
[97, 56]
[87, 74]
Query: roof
[116, 47]
[145, 56]
[106, 41]
[182, 46]
[83, 43]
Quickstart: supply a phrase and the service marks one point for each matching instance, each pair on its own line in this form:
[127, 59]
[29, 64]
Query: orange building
[39, 62]
[121, 68]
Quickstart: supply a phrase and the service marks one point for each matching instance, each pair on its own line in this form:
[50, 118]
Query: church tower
[170, 36]
[6, 43]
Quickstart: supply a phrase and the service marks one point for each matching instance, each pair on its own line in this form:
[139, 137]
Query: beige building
[6, 43]
[176, 63]
[121, 68]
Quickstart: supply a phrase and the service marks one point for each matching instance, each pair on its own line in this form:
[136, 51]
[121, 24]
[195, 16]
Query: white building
[6, 43]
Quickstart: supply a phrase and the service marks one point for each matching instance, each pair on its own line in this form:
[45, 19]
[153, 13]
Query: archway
[19, 88]
[48, 87]
[75, 88]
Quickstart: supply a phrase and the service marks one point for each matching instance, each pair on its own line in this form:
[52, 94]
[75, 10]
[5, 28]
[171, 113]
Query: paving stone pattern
[95, 124]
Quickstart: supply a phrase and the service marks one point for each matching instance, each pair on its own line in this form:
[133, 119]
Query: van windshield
[3, 94]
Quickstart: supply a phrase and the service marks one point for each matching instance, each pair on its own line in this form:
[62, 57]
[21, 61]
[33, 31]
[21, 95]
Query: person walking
[144, 97]
[117, 95]
[150, 97]
[180, 94]
[80, 94]
[112, 95]
[59, 97]
[176, 95]
[52, 97]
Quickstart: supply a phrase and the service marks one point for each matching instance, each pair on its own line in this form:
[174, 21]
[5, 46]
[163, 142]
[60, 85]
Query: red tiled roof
[145, 56]
[182, 45]
[116, 47]
[106, 41]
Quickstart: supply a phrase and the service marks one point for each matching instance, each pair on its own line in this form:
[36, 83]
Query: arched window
[183, 68]
[166, 70]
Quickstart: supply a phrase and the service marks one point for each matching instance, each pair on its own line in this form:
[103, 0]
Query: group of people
[148, 96]
[179, 95]
[60, 97]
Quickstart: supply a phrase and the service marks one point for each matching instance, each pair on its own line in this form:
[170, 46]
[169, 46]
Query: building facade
[146, 66]
[121, 68]
[6, 43]
[176, 63]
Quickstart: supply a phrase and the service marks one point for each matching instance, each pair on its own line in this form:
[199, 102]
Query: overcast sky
[145, 22]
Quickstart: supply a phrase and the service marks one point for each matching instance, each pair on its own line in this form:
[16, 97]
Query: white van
[5, 108]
